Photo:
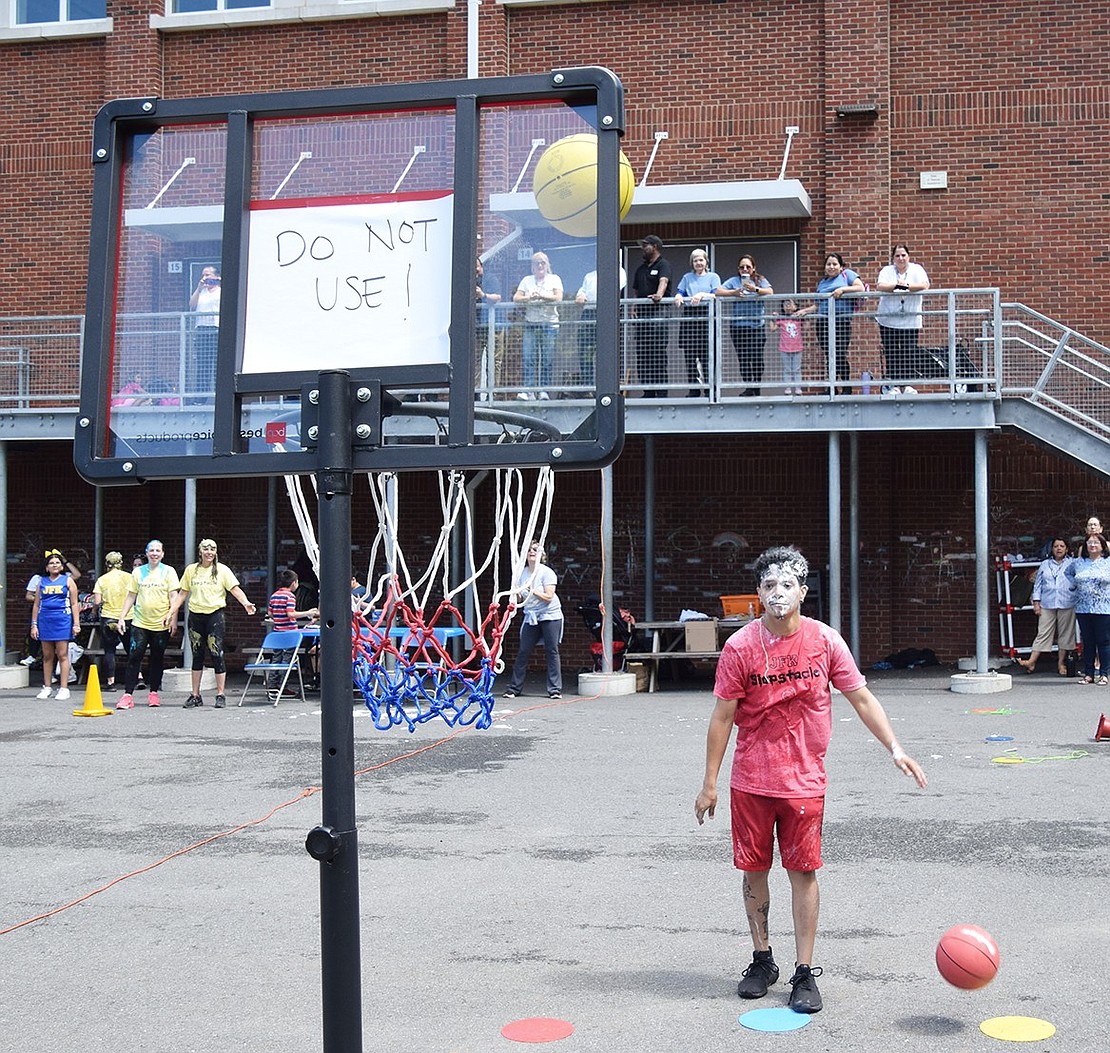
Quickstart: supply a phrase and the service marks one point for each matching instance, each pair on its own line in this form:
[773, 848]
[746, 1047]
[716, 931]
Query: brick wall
[719, 501]
[1011, 102]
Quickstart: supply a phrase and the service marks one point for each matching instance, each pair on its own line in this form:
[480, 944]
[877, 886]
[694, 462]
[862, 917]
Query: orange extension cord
[310, 791]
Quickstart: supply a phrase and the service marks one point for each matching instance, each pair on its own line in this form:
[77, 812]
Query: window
[35, 12]
[189, 7]
[189, 15]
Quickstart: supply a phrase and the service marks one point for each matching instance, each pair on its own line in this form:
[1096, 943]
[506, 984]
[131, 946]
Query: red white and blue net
[428, 646]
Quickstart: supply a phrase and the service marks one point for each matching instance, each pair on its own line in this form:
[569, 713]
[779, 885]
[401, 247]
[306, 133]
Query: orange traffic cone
[1103, 729]
[94, 707]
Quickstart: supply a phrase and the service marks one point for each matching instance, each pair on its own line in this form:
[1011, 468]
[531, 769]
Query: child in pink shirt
[790, 346]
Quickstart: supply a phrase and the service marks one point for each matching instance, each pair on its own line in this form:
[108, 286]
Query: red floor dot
[537, 1029]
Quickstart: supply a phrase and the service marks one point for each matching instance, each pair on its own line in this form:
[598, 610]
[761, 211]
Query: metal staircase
[1055, 385]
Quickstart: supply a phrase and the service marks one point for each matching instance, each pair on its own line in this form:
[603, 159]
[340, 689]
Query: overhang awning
[189, 223]
[687, 202]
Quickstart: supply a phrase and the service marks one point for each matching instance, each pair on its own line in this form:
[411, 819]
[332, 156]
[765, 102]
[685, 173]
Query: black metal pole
[335, 842]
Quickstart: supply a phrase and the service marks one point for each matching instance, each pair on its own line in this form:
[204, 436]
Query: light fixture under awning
[687, 202]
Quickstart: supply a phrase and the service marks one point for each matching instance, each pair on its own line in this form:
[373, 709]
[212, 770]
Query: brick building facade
[1010, 101]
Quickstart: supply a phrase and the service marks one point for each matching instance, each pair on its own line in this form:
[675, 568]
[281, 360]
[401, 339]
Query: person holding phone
[205, 302]
[747, 326]
[899, 314]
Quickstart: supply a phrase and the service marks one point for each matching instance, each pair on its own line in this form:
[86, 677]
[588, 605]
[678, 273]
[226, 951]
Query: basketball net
[408, 628]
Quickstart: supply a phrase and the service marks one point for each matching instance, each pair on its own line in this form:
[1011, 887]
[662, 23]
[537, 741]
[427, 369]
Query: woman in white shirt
[899, 314]
[542, 622]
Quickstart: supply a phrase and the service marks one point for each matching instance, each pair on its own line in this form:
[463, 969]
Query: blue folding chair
[270, 660]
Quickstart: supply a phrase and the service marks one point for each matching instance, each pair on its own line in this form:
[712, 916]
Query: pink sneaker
[125, 702]
[153, 700]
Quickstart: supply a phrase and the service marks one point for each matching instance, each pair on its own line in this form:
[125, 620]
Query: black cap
[653, 240]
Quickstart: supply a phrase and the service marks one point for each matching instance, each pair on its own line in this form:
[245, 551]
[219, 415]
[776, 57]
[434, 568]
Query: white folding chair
[269, 661]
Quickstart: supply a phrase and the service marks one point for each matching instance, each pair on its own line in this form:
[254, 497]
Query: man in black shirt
[652, 280]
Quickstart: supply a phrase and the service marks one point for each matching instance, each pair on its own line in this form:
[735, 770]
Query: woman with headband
[152, 586]
[207, 584]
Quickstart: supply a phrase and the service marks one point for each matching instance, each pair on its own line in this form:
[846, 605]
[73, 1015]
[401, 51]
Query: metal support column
[98, 534]
[334, 843]
[190, 556]
[649, 527]
[4, 548]
[271, 535]
[834, 530]
[607, 564]
[853, 544]
[982, 555]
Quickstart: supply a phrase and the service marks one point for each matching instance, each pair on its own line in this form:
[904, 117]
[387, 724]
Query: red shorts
[799, 830]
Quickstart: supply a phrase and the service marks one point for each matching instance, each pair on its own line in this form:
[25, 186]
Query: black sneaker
[759, 975]
[221, 701]
[805, 998]
[192, 701]
[554, 694]
[510, 694]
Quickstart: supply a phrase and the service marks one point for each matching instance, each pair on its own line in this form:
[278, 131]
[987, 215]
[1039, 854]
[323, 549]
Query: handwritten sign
[340, 283]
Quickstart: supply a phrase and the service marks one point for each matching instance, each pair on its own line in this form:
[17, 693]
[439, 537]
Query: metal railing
[973, 346]
[40, 362]
[1056, 368]
[730, 349]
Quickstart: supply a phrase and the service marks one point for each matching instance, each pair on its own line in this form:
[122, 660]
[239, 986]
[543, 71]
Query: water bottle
[751, 611]
[866, 378]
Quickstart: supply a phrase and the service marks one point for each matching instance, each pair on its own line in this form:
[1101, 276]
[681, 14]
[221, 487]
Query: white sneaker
[29, 660]
[907, 390]
[543, 396]
[524, 396]
[63, 694]
[44, 693]
[72, 677]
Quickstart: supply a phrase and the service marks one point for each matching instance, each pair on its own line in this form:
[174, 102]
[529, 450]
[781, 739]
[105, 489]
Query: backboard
[242, 244]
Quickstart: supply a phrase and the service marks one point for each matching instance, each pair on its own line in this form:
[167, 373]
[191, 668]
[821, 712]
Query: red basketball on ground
[967, 957]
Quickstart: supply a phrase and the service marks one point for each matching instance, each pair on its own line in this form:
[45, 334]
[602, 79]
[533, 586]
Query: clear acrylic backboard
[243, 244]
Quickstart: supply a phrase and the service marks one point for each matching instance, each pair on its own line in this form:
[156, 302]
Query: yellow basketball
[565, 185]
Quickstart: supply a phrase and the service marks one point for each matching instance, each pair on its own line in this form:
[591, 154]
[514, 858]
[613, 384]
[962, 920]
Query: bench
[655, 657]
[121, 661]
[668, 638]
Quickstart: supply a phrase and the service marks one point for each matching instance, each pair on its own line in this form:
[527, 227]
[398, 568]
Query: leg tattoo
[758, 909]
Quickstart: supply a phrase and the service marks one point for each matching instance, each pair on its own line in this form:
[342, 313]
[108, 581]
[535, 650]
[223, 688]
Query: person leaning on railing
[899, 314]
[692, 299]
[541, 292]
[747, 323]
[837, 280]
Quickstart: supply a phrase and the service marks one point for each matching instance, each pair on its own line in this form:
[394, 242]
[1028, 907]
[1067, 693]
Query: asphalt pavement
[550, 866]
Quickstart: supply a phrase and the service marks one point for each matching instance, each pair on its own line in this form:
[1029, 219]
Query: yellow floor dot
[1017, 1028]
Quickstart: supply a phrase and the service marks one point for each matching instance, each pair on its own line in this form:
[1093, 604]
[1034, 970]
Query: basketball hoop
[420, 645]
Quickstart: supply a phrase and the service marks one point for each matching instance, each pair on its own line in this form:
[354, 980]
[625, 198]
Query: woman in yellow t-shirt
[152, 585]
[109, 594]
[206, 584]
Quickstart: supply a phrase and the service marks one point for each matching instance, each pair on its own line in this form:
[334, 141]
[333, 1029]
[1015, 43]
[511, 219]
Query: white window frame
[10, 29]
[545, 3]
[220, 7]
[286, 11]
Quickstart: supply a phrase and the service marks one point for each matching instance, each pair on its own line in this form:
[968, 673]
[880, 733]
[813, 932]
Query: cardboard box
[641, 672]
[701, 635]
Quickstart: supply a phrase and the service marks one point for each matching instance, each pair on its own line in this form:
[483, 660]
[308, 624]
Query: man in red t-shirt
[773, 683]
